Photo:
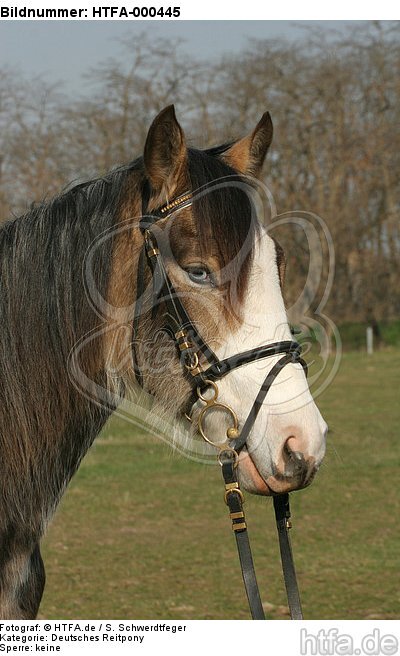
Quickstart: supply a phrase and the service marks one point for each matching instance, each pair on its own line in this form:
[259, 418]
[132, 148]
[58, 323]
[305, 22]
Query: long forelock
[224, 214]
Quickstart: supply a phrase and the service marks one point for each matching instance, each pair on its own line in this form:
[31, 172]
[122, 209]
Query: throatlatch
[192, 349]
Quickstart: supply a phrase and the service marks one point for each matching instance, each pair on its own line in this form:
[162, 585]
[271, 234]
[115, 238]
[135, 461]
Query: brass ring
[212, 398]
[216, 406]
[228, 448]
[194, 364]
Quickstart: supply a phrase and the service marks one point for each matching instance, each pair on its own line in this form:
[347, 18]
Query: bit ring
[216, 406]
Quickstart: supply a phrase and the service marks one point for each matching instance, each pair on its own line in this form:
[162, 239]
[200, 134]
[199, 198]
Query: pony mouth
[278, 483]
[250, 476]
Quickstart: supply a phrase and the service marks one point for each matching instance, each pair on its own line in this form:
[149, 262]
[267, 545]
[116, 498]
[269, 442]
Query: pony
[228, 272]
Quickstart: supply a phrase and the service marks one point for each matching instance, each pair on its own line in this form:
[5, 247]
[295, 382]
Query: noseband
[193, 351]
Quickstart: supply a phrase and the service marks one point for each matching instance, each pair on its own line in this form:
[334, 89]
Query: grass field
[131, 540]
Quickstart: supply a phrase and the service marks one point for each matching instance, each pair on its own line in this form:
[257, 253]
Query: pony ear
[165, 153]
[248, 154]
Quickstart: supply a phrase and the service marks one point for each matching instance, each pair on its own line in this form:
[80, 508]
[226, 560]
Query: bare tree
[334, 99]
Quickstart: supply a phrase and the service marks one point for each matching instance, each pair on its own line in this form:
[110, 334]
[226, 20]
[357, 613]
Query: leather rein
[191, 349]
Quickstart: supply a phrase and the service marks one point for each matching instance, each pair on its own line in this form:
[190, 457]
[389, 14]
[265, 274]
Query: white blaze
[289, 409]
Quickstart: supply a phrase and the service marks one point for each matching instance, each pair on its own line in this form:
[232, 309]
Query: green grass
[144, 533]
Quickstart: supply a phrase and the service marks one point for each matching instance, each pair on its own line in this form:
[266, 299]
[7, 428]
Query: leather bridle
[193, 351]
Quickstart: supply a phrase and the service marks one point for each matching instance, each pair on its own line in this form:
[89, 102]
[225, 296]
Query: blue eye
[199, 275]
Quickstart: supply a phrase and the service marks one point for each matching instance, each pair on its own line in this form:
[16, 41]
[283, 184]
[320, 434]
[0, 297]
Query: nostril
[295, 464]
[293, 445]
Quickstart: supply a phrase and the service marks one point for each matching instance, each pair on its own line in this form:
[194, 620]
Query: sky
[64, 50]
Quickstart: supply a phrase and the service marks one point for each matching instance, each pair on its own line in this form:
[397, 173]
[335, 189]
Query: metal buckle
[235, 490]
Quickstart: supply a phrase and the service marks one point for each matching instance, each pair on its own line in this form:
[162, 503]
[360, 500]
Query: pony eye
[200, 275]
